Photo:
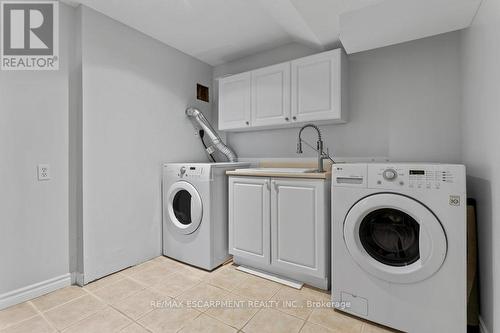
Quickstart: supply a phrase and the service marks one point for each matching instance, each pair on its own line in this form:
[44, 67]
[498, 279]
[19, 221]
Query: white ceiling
[219, 31]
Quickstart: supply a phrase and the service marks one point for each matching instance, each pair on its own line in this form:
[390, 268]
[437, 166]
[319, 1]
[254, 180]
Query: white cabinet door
[235, 101]
[249, 218]
[271, 95]
[317, 87]
[298, 226]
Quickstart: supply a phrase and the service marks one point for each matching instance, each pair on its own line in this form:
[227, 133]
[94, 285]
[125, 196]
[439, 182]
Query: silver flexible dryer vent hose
[199, 119]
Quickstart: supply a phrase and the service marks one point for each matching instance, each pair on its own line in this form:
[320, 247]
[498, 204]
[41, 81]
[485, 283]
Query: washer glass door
[395, 238]
[184, 208]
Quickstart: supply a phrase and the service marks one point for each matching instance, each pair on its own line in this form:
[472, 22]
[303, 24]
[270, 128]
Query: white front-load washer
[195, 225]
[399, 245]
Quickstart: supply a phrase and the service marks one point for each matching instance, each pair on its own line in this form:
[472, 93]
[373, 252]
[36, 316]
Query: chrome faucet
[319, 147]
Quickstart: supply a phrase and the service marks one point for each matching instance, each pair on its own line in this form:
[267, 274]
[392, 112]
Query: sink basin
[278, 170]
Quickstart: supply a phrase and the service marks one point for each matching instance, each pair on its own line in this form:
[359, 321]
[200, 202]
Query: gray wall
[33, 130]
[135, 92]
[404, 104]
[481, 154]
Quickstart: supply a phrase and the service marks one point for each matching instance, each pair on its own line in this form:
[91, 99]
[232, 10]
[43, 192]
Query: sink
[277, 170]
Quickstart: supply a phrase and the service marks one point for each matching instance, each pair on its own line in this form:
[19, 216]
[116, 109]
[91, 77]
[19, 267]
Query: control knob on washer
[182, 171]
[390, 174]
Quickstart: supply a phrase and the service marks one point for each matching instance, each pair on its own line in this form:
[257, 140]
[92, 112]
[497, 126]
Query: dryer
[195, 225]
[399, 245]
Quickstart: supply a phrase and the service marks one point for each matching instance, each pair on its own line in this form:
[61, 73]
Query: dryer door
[395, 238]
[184, 207]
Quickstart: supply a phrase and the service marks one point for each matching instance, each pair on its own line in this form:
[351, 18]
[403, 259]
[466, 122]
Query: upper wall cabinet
[236, 103]
[286, 95]
[317, 87]
[271, 95]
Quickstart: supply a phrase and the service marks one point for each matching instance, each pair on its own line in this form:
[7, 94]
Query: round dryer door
[395, 238]
[184, 207]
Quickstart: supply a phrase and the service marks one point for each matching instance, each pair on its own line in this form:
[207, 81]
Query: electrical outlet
[43, 172]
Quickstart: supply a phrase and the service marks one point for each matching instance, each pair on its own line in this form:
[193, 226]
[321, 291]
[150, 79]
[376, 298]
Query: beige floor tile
[256, 288]
[134, 328]
[294, 302]
[153, 274]
[46, 302]
[167, 262]
[335, 320]
[194, 272]
[227, 278]
[314, 328]
[108, 320]
[168, 319]
[176, 284]
[236, 310]
[15, 314]
[138, 304]
[36, 324]
[73, 311]
[317, 294]
[202, 296]
[205, 324]
[373, 328]
[118, 290]
[104, 282]
[273, 321]
[134, 269]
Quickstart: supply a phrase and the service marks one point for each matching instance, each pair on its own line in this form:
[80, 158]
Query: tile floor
[163, 295]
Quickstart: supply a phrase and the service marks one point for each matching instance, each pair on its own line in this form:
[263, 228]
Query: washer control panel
[429, 177]
[399, 176]
[187, 171]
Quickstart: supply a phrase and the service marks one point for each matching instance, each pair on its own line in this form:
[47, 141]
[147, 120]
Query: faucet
[319, 147]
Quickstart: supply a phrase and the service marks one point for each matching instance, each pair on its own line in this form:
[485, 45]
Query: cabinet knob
[287, 119]
[294, 118]
[247, 122]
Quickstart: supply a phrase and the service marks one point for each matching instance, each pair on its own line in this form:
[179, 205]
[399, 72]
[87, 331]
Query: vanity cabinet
[281, 226]
[289, 94]
[249, 214]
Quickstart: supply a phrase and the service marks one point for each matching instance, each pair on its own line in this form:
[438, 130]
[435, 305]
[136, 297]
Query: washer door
[395, 238]
[184, 207]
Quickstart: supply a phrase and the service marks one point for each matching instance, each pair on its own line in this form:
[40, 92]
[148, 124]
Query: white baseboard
[272, 277]
[77, 278]
[482, 326]
[38, 289]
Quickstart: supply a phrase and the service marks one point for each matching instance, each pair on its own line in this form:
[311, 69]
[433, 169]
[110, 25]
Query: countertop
[308, 175]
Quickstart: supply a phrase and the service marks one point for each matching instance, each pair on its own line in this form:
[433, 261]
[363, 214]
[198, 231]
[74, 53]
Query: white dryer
[195, 225]
[399, 245]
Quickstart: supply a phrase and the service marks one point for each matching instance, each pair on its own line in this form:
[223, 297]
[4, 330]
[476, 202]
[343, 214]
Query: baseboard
[482, 326]
[272, 277]
[77, 278]
[38, 289]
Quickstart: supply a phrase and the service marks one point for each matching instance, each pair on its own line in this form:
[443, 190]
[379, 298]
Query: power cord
[202, 134]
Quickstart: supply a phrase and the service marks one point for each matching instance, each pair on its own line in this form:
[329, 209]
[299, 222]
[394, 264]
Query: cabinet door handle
[287, 119]
[294, 118]
[276, 186]
[247, 122]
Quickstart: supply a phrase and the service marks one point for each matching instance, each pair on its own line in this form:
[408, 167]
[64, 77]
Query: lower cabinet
[282, 226]
[249, 219]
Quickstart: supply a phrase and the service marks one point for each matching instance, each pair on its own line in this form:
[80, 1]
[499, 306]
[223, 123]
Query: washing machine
[195, 225]
[399, 245]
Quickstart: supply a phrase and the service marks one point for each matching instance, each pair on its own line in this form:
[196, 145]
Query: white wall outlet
[43, 172]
